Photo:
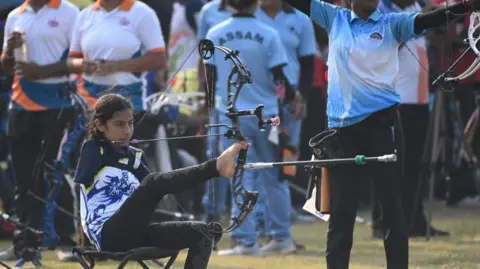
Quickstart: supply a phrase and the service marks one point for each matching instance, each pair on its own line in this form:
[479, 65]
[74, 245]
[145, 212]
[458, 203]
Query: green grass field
[81, 3]
[460, 251]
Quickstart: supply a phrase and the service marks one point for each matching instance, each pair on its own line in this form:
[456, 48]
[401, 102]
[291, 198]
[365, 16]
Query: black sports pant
[34, 139]
[130, 226]
[370, 137]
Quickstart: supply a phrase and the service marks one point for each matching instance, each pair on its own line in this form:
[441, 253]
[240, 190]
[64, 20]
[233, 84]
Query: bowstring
[167, 87]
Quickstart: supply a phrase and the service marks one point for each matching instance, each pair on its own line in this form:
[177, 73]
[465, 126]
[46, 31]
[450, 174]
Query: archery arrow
[359, 159]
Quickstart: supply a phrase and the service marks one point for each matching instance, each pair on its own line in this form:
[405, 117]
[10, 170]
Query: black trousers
[34, 139]
[130, 226]
[371, 137]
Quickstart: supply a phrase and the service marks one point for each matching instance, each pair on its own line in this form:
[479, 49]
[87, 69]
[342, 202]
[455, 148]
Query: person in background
[164, 11]
[114, 53]
[40, 76]
[217, 190]
[7, 185]
[413, 87]
[298, 39]
[266, 59]
[156, 78]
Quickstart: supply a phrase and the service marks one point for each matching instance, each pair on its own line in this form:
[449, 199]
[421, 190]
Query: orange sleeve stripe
[84, 93]
[21, 98]
[76, 54]
[156, 50]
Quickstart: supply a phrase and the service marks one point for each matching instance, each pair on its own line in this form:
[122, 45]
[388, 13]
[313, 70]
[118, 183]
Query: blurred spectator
[37, 104]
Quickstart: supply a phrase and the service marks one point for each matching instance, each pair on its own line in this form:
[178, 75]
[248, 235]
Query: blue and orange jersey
[47, 35]
[127, 32]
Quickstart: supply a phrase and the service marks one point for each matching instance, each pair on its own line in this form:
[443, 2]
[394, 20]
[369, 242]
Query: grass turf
[459, 251]
[81, 3]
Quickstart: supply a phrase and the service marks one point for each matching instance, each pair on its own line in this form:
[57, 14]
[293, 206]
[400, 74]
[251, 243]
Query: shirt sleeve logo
[376, 36]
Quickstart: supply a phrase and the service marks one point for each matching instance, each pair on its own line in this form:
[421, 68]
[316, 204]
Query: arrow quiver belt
[324, 145]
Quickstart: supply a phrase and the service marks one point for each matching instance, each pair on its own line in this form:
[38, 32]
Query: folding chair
[138, 254]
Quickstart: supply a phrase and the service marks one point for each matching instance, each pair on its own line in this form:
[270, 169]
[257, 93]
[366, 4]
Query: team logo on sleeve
[376, 36]
[53, 23]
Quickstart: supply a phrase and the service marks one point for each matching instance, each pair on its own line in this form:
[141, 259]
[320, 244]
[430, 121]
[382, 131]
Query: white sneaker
[8, 255]
[281, 247]
[241, 250]
[65, 254]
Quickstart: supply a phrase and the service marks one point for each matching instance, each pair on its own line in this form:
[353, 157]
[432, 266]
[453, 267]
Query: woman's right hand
[226, 161]
[78, 65]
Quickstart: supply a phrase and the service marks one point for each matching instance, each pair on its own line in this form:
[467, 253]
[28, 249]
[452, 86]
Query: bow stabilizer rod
[359, 159]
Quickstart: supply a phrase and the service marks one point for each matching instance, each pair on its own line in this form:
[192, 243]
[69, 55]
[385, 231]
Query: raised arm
[323, 13]
[438, 17]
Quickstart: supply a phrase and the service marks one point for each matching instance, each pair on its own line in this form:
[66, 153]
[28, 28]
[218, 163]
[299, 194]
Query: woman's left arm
[150, 34]
[438, 17]
[306, 52]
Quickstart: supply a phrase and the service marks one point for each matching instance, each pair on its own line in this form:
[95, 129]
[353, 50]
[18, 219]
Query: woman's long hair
[104, 109]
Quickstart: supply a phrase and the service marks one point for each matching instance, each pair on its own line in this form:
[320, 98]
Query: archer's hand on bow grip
[226, 161]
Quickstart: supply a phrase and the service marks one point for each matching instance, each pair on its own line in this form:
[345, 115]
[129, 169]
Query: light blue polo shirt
[362, 60]
[260, 50]
[298, 38]
[209, 16]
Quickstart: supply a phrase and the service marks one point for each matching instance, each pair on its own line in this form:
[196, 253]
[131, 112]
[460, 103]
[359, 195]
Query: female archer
[362, 107]
[119, 194]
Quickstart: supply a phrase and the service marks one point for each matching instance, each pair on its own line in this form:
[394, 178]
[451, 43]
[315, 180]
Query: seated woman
[119, 194]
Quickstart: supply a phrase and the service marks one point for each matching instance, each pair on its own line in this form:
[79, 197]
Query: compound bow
[244, 199]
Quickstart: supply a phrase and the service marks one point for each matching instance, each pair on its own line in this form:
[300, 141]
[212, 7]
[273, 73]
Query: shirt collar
[126, 5]
[375, 16]
[51, 4]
